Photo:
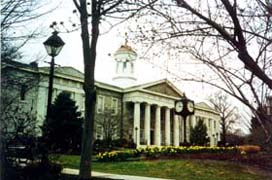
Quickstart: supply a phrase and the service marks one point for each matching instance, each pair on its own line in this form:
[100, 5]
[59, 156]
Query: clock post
[184, 107]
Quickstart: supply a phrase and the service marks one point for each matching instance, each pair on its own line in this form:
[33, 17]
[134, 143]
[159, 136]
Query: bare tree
[15, 14]
[108, 122]
[19, 122]
[215, 33]
[235, 32]
[227, 111]
[99, 11]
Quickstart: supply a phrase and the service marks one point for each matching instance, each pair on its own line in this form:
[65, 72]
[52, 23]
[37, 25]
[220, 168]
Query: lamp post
[136, 138]
[53, 46]
[184, 107]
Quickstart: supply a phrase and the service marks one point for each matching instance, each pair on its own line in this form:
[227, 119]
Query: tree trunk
[89, 55]
[224, 132]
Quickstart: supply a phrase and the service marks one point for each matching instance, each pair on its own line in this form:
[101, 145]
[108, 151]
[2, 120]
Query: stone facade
[143, 113]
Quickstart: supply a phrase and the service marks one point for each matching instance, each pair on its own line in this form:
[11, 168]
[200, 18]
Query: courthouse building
[144, 112]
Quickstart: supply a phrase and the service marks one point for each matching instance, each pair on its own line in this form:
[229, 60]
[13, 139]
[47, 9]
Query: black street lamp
[53, 46]
[184, 107]
[136, 138]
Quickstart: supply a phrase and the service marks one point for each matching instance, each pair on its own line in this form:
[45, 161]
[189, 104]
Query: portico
[154, 120]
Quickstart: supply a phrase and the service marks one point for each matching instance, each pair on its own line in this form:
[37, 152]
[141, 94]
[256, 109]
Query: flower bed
[164, 151]
[115, 155]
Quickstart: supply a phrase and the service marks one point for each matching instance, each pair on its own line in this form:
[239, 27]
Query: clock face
[179, 107]
[190, 106]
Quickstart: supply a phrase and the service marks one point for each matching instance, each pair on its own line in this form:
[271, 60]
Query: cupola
[125, 58]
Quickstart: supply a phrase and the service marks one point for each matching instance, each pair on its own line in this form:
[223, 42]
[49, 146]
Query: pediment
[165, 88]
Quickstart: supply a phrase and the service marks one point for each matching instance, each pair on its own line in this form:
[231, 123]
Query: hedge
[161, 151]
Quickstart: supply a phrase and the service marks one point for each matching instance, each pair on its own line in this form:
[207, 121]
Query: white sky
[71, 54]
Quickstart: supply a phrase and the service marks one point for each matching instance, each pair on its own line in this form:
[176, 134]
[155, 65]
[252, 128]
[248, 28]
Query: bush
[259, 138]
[104, 145]
[63, 114]
[249, 149]
[198, 134]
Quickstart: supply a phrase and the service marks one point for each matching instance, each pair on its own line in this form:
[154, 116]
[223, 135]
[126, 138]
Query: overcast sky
[71, 54]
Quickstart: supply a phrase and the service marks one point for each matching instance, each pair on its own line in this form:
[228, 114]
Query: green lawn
[174, 169]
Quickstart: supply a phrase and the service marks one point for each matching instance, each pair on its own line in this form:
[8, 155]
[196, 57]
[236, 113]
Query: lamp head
[53, 44]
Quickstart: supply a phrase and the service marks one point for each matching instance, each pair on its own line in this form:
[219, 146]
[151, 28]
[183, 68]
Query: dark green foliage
[64, 127]
[198, 134]
[34, 170]
[106, 145]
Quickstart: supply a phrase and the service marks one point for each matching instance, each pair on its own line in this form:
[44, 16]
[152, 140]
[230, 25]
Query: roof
[125, 49]
[205, 106]
[18, 64]
[65, 70]
[161, 87]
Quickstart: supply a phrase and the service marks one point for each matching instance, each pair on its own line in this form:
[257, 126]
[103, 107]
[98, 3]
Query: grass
[173, 169]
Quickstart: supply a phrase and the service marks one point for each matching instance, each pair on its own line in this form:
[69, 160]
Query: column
[206, 122]
[193, 119]
[158, 126]
[213, 126]
[176, 130]
[147, 124]
[167, 127]
[136, 123]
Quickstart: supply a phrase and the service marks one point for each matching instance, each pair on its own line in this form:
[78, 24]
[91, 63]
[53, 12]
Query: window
[99, 131]
[100, 104]
[23, 92]
[114, 106]
[214, 124]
